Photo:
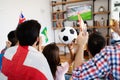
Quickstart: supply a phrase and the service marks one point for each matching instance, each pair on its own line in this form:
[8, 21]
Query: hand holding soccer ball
[67, 35]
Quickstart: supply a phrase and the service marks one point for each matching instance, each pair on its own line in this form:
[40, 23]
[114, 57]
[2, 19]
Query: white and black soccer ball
[67, 35]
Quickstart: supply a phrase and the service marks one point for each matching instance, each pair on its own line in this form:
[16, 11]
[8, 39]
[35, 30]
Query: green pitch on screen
[85, 16]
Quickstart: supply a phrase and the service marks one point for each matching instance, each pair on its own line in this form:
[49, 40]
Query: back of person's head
[27, 32]
[51, 52]
[12, 38]
[95, 43]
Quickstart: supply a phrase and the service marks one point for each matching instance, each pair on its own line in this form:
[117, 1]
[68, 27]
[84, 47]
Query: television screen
[85, 11]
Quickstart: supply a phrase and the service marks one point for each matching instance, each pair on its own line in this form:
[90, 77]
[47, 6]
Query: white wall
[32, 9]
[115, 13]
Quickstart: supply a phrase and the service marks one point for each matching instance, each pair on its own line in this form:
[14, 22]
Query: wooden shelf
[68, 2]
[108, 36]
[57, 28]
[60, 44]
[75, 1]
[89, 27]
[76, 27]
[59, 12]
[106, 12]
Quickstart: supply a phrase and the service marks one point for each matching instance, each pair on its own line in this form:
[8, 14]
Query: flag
[44, 32]
[23, 65]
[80, 21]
[21, 18]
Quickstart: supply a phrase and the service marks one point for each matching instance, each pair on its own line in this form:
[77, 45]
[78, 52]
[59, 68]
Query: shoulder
[9, 53]
[11, 49]
[35, 53]
[35, 57]
[110, 49]
[106, 54]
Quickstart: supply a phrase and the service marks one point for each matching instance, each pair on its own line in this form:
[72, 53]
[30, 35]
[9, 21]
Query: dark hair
[12, 37]
[27, 32]
[95, 43]
[51, 52]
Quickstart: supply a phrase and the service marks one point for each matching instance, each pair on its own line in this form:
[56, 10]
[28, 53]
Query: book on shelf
[58, 16]
[54, 24]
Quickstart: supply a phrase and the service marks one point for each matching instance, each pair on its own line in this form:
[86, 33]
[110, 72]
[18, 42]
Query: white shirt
[61, 70]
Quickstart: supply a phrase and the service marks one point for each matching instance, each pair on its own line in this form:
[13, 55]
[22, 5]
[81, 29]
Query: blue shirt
[1, 55]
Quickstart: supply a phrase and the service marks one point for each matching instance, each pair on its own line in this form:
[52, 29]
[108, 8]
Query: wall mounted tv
[85, 11]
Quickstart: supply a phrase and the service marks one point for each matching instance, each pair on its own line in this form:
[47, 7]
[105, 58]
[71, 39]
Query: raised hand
[8, 44]
[82, 38]
[115, 26]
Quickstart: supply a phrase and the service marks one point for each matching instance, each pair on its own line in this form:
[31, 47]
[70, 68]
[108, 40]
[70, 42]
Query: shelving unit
[97, 13]
[107, 13]
[63, 11]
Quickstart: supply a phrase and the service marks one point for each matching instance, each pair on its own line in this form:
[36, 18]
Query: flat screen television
[85, 11]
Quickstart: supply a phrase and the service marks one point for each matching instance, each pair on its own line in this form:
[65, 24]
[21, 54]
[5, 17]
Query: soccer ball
[67, 35]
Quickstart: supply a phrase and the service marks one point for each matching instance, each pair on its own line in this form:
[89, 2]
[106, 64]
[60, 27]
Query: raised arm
[115, 26]
[96, 68]
[72, 53]
[81, 42]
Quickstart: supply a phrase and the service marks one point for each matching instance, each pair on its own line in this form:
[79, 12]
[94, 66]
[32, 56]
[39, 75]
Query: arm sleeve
[95, 68]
